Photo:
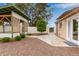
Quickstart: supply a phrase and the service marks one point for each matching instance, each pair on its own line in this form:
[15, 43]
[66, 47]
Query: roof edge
[13, 5]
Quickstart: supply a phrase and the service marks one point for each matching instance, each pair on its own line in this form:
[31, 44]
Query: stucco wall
[16, 25]
[33, 30]
[61, 32]
[18, 18]
[26, 27]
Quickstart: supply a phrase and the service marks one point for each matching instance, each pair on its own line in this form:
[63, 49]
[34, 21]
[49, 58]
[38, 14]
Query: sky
[58, 9]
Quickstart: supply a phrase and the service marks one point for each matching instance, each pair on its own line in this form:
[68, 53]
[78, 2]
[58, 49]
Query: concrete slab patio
[52, 39]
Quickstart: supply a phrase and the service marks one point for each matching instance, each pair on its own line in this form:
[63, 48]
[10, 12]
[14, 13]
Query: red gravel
[35, 47]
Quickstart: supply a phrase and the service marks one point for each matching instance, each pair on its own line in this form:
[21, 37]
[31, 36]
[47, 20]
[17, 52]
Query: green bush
[41, 25]
[5, 39]
[22, 35]
[18, 38]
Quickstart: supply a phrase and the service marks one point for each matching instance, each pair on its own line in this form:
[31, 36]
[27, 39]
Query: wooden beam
[8, 20]
[1, 19]
[5, 15]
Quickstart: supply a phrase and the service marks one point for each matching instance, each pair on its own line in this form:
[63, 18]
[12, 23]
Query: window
[60, 25]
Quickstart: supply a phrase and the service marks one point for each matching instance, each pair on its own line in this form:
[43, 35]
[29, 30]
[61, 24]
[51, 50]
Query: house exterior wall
[16, 25]
[25, 22]
[26, 26]
[70, 29]
[61, 32]
[54, 28]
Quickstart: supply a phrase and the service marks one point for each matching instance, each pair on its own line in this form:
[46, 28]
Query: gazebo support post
[12, 28]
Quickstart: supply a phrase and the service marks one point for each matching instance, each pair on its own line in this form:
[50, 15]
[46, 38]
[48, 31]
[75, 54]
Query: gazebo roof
[12, 7]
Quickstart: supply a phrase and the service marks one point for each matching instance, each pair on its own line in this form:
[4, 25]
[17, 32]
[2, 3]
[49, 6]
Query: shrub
[22, 35]
[5, 39]
[41, 25]
[18, 38]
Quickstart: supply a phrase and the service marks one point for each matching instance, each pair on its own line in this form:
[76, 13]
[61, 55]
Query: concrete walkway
[52, 39]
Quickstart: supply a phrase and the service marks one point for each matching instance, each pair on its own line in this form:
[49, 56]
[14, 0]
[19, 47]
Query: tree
[41, 25]
[33, 10]
[40, 9]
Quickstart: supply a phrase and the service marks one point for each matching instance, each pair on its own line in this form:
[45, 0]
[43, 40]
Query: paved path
[35, 47]
[52, 39]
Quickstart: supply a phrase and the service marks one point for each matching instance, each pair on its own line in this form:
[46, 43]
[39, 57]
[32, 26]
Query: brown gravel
[35, 47]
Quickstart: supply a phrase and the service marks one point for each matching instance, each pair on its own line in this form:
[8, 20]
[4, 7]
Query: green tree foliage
[41, 24]
[33, 10]
[22, 6]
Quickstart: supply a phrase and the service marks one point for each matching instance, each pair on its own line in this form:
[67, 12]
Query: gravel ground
[35, 47]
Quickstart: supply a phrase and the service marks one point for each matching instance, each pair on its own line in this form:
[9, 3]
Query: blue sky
[58, 9]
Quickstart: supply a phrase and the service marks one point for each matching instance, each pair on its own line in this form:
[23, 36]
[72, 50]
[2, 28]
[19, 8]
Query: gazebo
[12, 21]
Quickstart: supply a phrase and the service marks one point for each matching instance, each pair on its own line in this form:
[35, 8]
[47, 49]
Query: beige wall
[18, 18]
[61, 32]
[26, 26]
[16, 25]
[33, 30]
